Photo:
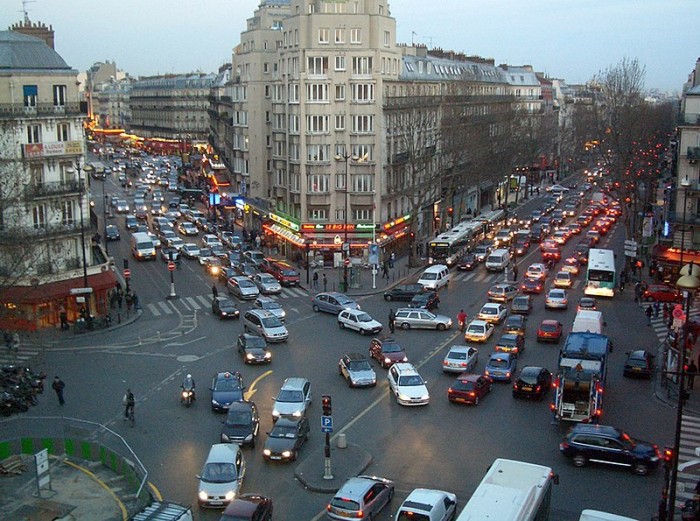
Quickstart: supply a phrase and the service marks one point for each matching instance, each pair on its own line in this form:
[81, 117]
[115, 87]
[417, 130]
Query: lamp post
[104, 216]
[346, 246]
[82, 189]
[685, 184]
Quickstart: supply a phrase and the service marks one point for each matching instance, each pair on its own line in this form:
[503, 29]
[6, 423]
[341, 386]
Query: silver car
[357, 370]
[361, 497]
[333, 302]
[407, 318]
[267, 284]
[460, 359]
[293, 399]
[274, 307]
[556, 299]
[243, 288]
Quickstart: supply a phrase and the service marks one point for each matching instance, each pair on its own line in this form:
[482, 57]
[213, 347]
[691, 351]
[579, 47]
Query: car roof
[459, 349]
[262, 313]
[550, 321]
[242, 405]
[355, 356]
[222, 452]
[591, 428]
[478, 322]
[355, 488]
[468, 377]
[294, 383]
[531, 369]
[498, 354]
[426, 496]
[405, 368]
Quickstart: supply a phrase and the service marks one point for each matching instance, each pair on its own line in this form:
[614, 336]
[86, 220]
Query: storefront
[670, 258]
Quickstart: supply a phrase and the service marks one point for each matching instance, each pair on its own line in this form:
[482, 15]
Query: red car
[551, 254]
[662, 293]
[469, 388]
[532, 286]
[248, 507]
[549, 331]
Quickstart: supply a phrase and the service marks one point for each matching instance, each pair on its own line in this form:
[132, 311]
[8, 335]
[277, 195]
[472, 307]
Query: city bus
[447, 248]
[494, 221]
[600, 275]
[512, 491]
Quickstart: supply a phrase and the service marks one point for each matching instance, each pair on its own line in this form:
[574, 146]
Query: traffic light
[668, 457]
[326, 403]
[450, 211]
[684, 397]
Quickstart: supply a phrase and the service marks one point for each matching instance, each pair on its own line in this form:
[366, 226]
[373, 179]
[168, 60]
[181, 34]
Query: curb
[346, 463]
[88, 334]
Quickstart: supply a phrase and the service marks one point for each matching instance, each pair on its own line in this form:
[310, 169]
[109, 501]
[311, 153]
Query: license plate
[216, 503]
[636, 369]
[527, 388]
[275, 457]
[461, 400]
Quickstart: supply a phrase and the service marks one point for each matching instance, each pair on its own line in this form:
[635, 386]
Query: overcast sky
[569, 39]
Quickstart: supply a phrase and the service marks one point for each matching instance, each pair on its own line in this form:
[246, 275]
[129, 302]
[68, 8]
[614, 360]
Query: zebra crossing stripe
[153, 309]
[192, 302]
[166, 309]
[206, 301]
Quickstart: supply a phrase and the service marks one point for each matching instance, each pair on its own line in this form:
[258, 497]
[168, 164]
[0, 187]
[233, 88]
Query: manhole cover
[187, 358]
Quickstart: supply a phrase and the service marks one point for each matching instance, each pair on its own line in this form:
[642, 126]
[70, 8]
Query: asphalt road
[442, 445]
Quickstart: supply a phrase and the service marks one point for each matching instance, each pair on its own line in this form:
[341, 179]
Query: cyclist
[461, 319]
[129, 402]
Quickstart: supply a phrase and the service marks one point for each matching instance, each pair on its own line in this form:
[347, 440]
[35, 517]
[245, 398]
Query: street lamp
[346, 247]
[82, 189]
[685, 184]
[104, 216]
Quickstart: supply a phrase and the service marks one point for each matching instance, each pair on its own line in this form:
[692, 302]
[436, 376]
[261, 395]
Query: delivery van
[588, 321]
[142, 246]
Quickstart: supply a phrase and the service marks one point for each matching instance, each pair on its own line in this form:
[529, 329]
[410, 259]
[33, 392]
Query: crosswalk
[25, 355]
[660, 326]
[482, 276]
[690, 440]
[203, 302]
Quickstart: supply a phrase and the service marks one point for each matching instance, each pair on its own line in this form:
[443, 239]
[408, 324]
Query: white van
[588, 321]
[435, 277]
[142, 246]
[498, 260]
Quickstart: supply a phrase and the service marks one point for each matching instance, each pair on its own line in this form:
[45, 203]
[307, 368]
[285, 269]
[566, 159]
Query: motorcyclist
[188, 384]
[461, 319]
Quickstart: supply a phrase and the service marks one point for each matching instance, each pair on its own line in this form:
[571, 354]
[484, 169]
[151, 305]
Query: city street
[443, 445]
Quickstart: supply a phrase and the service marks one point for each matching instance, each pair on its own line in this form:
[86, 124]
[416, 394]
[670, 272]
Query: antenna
[25, 11]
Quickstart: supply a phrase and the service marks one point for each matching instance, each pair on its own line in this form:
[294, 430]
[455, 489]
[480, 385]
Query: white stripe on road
[153, 309]
[205, 300]
[166, 309]
[192, 302]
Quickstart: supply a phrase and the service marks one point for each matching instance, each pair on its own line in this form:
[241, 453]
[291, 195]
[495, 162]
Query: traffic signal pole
[327, 420]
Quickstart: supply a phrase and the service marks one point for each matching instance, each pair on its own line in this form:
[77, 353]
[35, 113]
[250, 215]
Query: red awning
[673, 255]
[56, 290]
[220, 179]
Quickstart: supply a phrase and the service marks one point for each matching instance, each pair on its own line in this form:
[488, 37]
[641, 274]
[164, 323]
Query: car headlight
[275, 414]
[404, 397]
[214, 402]
[267, 452]
[249, 437]
[268, 355]
[287, 454]
[230, 495]
[387, 361]
[296, 414]
[225, 438]
[203, 495]
[404, 359]
[249, 356]
[425, 397]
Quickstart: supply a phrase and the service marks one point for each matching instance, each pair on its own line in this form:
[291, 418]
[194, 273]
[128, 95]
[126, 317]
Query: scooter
[186, 396]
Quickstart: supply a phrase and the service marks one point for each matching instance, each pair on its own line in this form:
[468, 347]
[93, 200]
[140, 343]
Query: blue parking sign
[326, 423]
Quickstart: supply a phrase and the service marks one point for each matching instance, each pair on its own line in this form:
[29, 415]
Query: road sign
[80, 291]
[127, 274]
[630, 243]
[326, 423]
[678, 312]
[171, 266]
[346, 262]
[346, 247]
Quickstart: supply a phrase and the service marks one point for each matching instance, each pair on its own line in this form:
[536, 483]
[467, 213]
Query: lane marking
[251, 388]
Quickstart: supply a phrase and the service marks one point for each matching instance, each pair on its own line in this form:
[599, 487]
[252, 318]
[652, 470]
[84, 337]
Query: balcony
[691, 119]
[53, 189]
[17, 110]
[15, 235]
[693, 155]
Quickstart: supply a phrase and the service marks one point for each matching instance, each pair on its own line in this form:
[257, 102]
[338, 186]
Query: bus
[493, 220]
[512, 491]
[447, 248]
[597, 515]
[600, 275]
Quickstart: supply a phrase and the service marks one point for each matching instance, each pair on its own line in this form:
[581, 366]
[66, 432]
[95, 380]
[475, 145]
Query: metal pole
[346, 253]
[327, 473]
[82, 244]
[104, 215]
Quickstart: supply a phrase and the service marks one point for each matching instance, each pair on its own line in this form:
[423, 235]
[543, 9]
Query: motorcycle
[186, 396]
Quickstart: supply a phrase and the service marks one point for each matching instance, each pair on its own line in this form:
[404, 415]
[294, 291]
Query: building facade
[111, 107]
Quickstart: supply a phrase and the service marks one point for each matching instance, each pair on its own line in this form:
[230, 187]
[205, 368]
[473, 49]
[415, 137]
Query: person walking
[392, 320]
[657, 308]
[59, 386]
[392, 259]
[515, 271]
[649, 312]
[129, 401]
[667, 311]
[385, 270]
[325, 282]
[63, 317]
[315, 279]
[692, 371]
[214, 290]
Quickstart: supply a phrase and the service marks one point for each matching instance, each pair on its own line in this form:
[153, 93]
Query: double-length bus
[600, 275]
[447, 248]
[494, 221]
[512, 491]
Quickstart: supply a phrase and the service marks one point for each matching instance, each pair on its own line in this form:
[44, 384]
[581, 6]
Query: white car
[187, 228]
[407, 385]
[359, 321]
[563, 279]
[556, 299]
[190, 251]
[493, 312]
[428, 505]
[478, 331]
[222, 476]
[537, 271]
[274, 307]
[460, 359]
[267, 284]
[210, 240]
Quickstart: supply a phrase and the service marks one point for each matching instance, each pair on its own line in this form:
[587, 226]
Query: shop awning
[673, 255]
[56, 290]
[219, 179]
[285, 233]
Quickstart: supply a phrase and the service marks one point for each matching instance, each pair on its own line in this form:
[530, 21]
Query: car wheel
[315, 308]
[405, 325]
[387, 298]
[440, 327]
[341, 325]
[476, 401]
[640, 469]
[580, 460]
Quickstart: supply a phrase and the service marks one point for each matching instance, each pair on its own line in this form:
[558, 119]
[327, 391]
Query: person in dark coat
[214, 290]
[392, 320]
[59, 386]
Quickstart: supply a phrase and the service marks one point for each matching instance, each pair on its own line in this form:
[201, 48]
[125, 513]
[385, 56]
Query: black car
[537, 233]
[242, 424]
[253, 507]
[286, 438]
[639, 364]
[112, 233]
[224, 308]
[170, 254]
[468, 262]
[532, 382]
[521, 247]
[515, 324]
[226, 273]
[253, 349]
[428, 300]
[605, 444]
[226, 388]
[404, 292]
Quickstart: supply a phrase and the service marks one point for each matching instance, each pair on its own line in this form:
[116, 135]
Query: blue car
[226, 388]
[501, 366]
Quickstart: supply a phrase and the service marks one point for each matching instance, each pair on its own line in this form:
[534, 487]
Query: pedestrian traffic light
[326, 403]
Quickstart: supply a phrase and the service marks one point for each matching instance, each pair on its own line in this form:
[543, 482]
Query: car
[265, 324]
[515, 324]
[255, 256]
[563, 279]
[662, 293]
[408, 318]
[357, 370]
[536, 215]
[286, 438]
[482, 251]
[536, 271]
[226, 387]
[404, 292]
[424, 504]
[501, 366]
[560, 237]
[187, 228]
[493, 312]
[253, 349]
[551, 254]
[131, 223]
[510, 343]
[427, 300]
[469, 388]
[122, 206]
[267, 284]
[293, 399]
[532, 382]
[467, 262]
[358, 320]
[208, 240]
[112, 233]
[387, 351]
[213, 266]
[478, 331]
[222, 475]
[224, 308]
[169, 254]
[593, 235]
[502, 292]
[361, 497]
[522, 304]
[244, 269]
[204, 255]
[407, 385]
[571, 265]
[268, 304]
[556, 299]
[190, 251]
[521, 246]
[242, 287]
[587, 303]
[241, 425]
[248, 507]
[639, 364]
[460, 359]
[550, 331]
[588, 442]
[557, 189]
[332, 302]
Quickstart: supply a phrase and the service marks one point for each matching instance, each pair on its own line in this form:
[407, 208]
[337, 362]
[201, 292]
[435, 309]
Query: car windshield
[461, 385]
[556, 294]
[345, 504]
[342, 299]
[284, 431]
[411, 515]
[359, 365]
[478, 329]
[271, 322]
[507, 341]
[364, 317]
[429, 276]
[550, 328]
[457, 355]
[488, 311]
[227, 384]
[245, 283]
[410, 380]
[498, 362]
[290, 396]
[271, 305]
[268, 279]
[238, 418]
[528, 377]
[289, 273]
[391, 347]
[219, 473]
[519, 301]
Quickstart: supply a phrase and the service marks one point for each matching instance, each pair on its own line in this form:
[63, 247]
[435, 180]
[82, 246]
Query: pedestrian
[515, 271]
[657, 308]
[129, 302]
[649, 312]
[63, 316]
[214, 290]
[325, 282]
[392, 259]
[392, 319]
[58, 386]
[315, 279]
[385, 270]
[135, 301]
[637, 292]
[692, 371]
[667, 311]
[120, 299]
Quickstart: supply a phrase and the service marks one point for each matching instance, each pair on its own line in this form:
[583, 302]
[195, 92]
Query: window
[294, 123]
[317, 65]
[33, 133]
[63, 132]
[340, 181]
[340, 214]
[31, 93]
[340, 36]
[362, 65]
[317, 215]
[266, 68]
[363, 92]
[67, 213]
[36, 171]
[294, 151]
[363, 152]
[317, 124]
[387, 38]
[362, 215]
[267, 91]
[323, 35]
[317, 92]
[295, 182]
[59, 95]
[363, 183]
[318, 183]
[39, 216]
[293, 93]
[340, 92]
[281, 176]
[363, 124]
[340, 63]
[340, 122]
[356, 35]
[316, 153]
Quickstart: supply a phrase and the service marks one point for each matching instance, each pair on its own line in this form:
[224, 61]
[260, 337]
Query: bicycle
[130, 416]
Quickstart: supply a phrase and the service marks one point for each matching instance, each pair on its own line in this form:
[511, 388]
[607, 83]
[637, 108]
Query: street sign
[80, 291]
[346, 262]
[346, 247]
[630, 243]
[326, 423]
[127, 274]
[171, 266]
[631, 253]
[678, 312]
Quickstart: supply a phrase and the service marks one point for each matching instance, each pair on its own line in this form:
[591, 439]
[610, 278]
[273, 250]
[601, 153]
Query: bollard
[342, 441]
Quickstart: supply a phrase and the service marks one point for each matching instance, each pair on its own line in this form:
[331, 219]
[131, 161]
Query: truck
[580, 380]
[164, 511]
[589, 321]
